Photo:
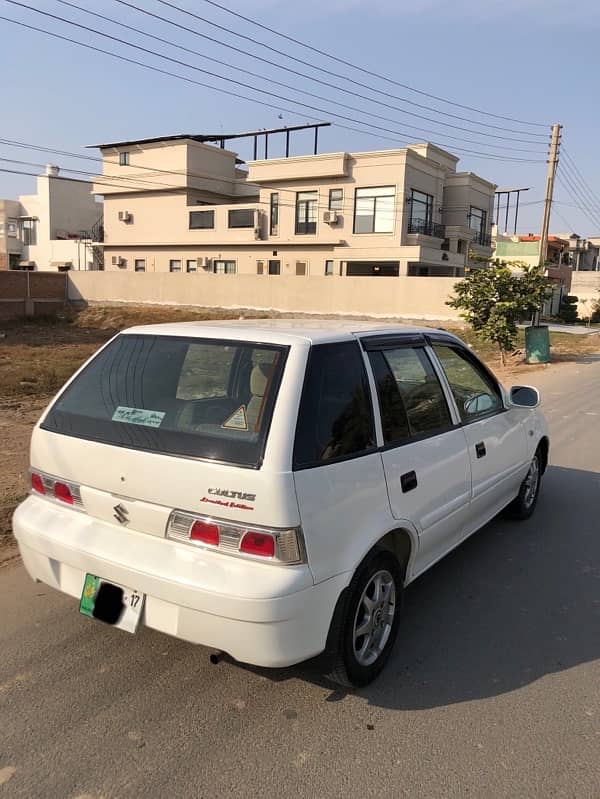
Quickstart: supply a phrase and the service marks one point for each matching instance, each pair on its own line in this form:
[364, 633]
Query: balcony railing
[426, 228]
[482, 239]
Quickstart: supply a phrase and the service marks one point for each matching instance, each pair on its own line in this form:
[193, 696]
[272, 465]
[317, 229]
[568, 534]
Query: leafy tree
[494, 298]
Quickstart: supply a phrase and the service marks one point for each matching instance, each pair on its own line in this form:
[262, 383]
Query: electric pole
[552, 164]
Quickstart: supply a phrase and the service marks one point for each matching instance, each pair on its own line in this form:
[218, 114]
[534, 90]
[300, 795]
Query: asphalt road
[492, 691]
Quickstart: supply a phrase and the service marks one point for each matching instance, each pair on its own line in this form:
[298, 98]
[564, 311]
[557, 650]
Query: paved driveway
[493, 689]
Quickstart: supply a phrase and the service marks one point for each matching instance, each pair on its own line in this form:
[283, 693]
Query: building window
[202, 220]
[243, 217]
[336, 199]
[478, 223]
[260, 267]
[29, 232]
[12, 228]
[274, 267]
[373, 268]
[274, 215]
[328, 268]
[191, 265]
[224, 267]
[139, 265]
[460, 246]
[301, 268]
[175, 266]
[124, 159]
[421, 213]
[306, 212]
[374, 210]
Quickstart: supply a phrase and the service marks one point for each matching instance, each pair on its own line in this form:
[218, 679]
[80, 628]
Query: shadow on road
[517, 601]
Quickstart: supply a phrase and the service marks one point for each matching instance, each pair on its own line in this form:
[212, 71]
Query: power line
[580, 193]
[572, 192]
[206, 57]
[362, 69]
[229, 80]
[573, 165]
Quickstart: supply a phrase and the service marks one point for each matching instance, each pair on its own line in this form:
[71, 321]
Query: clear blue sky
[534, 60]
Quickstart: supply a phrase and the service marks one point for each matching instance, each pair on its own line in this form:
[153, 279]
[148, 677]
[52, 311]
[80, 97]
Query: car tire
[366, 626]
[523, 506]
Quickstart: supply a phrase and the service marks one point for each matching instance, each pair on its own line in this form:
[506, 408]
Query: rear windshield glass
[201, 398]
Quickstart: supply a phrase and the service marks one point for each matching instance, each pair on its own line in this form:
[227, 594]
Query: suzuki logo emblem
[121, 513]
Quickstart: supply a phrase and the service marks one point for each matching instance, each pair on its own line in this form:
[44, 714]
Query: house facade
[52, 229]
[181, 204]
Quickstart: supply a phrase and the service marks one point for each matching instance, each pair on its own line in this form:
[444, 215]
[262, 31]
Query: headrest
[259, 378]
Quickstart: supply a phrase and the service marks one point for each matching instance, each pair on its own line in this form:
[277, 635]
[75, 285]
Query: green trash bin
[537, 344]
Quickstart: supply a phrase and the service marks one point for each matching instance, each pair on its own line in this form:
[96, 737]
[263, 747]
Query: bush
[568, 308]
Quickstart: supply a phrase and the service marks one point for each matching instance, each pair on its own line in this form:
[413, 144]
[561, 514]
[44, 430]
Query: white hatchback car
[268, 489]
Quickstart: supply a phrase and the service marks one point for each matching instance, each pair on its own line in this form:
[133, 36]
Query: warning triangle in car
[237, 420]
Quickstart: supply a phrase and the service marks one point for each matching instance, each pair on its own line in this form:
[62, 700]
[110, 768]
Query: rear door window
[335, 420]
[201, 398]
[411, 398]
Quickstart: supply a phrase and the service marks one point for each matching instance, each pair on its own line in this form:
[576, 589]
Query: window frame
[274, 214]
[482, 229]
[245, 226]
[175, 261]
[224, 261]
[29, 231]
[479, 366]
[124, 158]
[374, 198]
[137, 261]
[427, 203]
[329, 261]
[375, 418]
[201, 215]
[189, 261]
[302, 209]
[339, 203]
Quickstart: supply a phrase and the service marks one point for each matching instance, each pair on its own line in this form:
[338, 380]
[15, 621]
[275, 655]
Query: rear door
[495, 436]
[425, 457]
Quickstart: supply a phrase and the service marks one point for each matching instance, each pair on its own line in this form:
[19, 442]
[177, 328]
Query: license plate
[113, 604]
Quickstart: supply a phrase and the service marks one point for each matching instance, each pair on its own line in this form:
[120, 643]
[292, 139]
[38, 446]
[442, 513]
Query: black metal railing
[426, 228]
[482, 239]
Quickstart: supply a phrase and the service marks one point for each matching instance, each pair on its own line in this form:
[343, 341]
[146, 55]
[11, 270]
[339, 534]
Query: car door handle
[408, 481]
[480, 450]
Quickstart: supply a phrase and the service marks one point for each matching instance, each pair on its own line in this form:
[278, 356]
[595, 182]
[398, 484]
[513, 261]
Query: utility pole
[552, 164]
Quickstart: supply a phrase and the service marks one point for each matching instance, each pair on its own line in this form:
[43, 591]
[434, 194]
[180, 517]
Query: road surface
[492, 691]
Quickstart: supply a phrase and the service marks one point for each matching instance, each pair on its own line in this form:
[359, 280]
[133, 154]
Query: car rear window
[201, 398]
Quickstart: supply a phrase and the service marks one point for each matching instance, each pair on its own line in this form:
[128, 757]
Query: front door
[495, 437]
[425, 458]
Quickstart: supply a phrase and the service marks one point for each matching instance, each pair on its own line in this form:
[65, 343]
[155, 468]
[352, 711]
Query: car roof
[282, 331]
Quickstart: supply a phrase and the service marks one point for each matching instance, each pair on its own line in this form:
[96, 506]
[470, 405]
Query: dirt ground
[36, 357]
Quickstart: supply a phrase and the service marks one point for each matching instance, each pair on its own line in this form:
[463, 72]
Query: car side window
[335, 418]
[474, 392]
[411, 398]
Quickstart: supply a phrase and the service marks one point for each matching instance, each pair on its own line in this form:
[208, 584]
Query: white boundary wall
[403, 297]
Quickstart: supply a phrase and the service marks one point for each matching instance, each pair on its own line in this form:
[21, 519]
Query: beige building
[183, 204]
[52, 229]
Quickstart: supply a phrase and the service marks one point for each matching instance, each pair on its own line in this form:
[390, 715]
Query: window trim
[478, 365]
[341, 200]
[375, 420]
[205, 212]
[136, 261]
[124, 158]
[274, 214]
[305, 204]
[231, 211]
[374, 198]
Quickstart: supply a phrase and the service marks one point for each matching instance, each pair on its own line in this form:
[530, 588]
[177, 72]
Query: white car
[269, 488]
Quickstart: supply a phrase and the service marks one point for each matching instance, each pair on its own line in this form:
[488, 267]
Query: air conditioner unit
[330, 217]
[124, 216]
[116, 260]
[203, 262]
[258, 233]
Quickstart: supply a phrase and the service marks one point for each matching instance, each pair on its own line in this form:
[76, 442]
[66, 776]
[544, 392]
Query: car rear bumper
[275, 616]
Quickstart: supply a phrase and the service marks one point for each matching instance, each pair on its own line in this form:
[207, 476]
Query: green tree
[492, 299]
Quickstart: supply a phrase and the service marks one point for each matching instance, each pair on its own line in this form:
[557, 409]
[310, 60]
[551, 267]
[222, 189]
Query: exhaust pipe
[216, 657]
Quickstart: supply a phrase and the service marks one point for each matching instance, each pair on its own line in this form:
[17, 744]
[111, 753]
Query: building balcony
[481, 239]
[424, 228]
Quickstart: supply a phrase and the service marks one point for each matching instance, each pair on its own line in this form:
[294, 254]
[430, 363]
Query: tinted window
[202, 219]
[195, 397]
[410, 395]
[473, 391]
[335, 418]
[241, 217]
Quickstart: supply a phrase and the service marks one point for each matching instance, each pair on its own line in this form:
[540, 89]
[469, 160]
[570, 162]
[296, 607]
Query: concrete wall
[415, 298]
[586, 286]
[31, 294]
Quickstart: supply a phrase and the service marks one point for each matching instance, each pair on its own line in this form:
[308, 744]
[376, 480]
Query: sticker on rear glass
[237, 420]
[138, 416]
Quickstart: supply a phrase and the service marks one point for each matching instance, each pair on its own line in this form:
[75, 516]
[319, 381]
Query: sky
[535, 61]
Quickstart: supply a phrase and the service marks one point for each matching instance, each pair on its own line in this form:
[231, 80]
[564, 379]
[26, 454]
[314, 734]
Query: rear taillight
[37, 484]
[60, 490]
[265, 544]
[258, 544]
[205, 532]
